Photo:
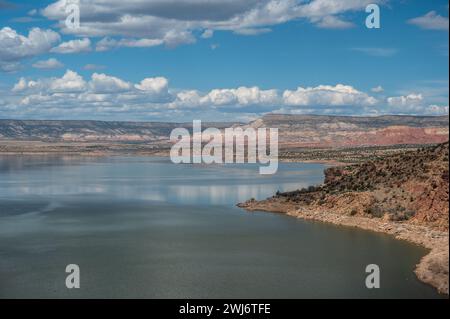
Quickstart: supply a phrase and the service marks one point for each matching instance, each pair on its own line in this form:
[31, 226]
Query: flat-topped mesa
[294, 130]
[368, 122]
[350, 131]
[81, 130]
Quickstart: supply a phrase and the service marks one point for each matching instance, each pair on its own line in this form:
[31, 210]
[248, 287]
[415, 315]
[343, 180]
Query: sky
[221, 60]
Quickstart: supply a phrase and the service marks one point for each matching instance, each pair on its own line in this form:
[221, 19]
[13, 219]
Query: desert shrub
[303, 190]
[401, 215]
[375, 211]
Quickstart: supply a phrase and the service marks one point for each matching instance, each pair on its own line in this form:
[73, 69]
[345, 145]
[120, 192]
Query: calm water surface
[146, 228]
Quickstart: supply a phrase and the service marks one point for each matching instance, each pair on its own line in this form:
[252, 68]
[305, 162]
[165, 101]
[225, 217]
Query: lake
[141, 227]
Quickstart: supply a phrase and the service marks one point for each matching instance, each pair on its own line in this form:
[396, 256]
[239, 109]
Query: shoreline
[330, 156]
[157, 154]
[432, 268]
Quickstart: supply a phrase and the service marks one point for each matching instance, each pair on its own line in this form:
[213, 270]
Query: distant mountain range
[84, 131]
[294, 130]
[345, 131]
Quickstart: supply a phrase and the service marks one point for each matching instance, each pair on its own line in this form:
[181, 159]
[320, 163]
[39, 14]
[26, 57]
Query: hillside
[405, 195]
[412, 186]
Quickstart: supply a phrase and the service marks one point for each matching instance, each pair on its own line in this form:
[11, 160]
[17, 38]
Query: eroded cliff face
[411, 187]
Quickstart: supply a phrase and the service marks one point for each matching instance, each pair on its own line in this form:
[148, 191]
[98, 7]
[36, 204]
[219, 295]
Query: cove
[142, 227]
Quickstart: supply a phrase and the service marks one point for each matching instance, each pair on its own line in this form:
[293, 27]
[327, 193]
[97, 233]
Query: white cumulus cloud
[242, 96]
[377, 89]
[333, 22]
[73, 46]
[408, 100]
[71, 82]
[14, 47]
[51, 63]
[102, 83]
[431, 21]
[156, 85]
[106, 43]
[339, 95]
[108, 96]
[175, 22]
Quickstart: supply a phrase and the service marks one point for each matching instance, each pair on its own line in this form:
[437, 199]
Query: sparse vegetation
[400, 187]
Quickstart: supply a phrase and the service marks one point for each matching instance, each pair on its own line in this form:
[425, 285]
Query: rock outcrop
[405, 195]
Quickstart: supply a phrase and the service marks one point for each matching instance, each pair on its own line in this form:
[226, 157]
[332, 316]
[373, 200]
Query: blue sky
[228, 61]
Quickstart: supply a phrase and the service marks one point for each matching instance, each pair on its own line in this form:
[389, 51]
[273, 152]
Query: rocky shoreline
[432, 269]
